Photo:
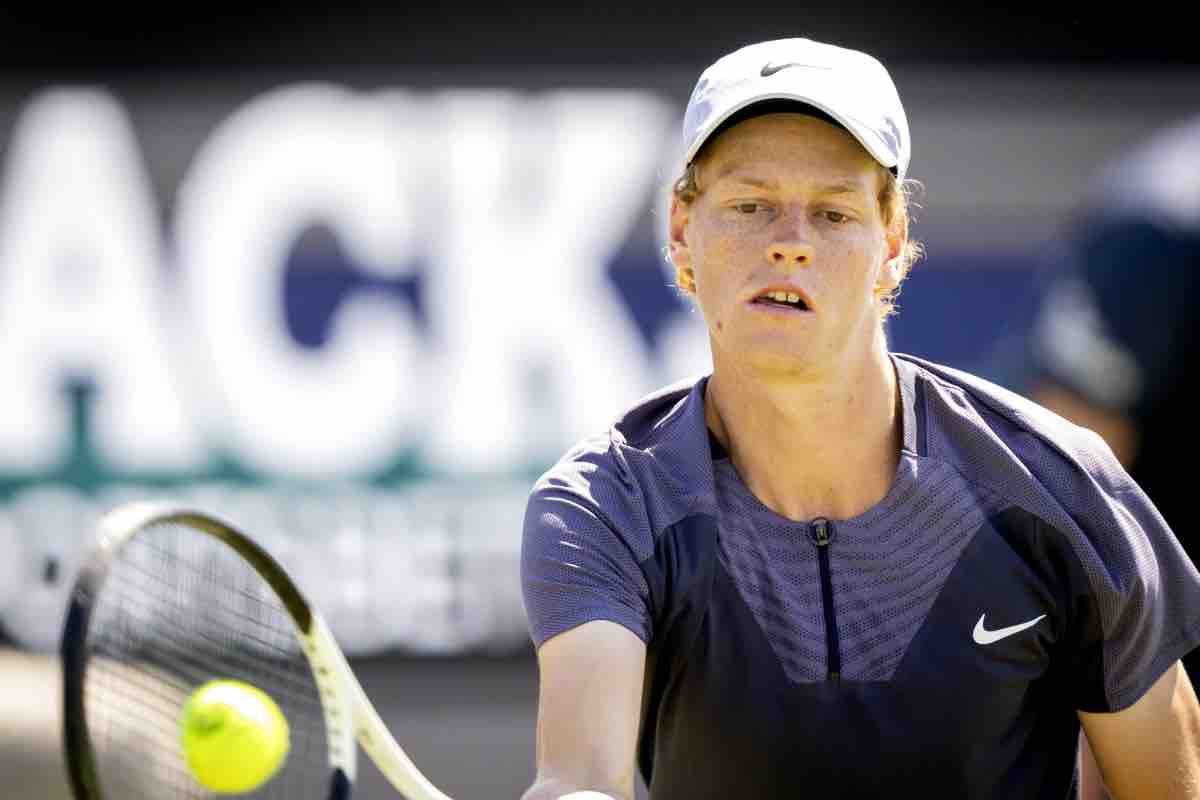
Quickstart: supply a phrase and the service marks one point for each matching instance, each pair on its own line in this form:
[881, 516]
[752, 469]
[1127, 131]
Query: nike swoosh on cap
[770, 68]
[983, 636]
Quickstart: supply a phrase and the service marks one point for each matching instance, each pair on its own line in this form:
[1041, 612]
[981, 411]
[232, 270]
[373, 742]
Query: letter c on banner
[289, 159]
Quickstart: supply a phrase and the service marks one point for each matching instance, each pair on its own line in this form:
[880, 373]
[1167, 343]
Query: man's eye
[835, 216]
[748, 208]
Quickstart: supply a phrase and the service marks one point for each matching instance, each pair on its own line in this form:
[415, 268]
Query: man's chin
[774, 355]
[780, 362]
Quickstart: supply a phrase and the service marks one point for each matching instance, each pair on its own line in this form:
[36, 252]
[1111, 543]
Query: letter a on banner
[82, 293]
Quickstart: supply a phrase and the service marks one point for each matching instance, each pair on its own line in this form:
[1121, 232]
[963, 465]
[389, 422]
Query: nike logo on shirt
[983, 636]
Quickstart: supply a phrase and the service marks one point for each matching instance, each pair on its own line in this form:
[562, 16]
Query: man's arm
[1122, 436]
[589, 707]
[1152, 748]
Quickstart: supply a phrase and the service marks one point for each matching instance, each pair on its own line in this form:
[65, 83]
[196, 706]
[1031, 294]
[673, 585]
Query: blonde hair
[894, 200]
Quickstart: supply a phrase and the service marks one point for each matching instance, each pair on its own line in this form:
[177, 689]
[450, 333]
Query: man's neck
[811, 447]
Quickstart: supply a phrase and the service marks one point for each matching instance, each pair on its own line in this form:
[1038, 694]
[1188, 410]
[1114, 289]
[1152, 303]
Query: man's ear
[680, 253]
[889, 277]
[891, 271]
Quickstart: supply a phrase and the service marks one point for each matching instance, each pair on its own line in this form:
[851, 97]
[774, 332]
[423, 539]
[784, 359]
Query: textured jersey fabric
[839, 656]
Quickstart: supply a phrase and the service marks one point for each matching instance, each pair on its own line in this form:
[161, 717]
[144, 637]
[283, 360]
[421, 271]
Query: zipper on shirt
[821, 532]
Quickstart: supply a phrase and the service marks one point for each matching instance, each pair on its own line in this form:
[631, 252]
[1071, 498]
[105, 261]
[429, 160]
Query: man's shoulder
[996, 436]
[1032, 460]
[653, 416]
[654, 457]
[671, 411]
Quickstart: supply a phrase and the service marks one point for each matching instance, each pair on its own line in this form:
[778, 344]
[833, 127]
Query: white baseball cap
[851, 87]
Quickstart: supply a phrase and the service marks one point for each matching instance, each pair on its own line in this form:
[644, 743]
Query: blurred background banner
[357, 322]
[358, 298]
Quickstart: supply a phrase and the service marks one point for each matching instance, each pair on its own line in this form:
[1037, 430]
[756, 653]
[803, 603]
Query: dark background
[92, 38]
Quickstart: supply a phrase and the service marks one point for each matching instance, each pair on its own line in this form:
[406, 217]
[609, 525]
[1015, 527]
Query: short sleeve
[1140, 608]
[581, 547]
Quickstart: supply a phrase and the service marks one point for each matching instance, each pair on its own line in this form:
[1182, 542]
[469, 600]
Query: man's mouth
[781, 299]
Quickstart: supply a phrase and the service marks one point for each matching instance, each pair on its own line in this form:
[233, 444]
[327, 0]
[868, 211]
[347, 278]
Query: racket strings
[177, 609]
[191, 652]
[217, 632]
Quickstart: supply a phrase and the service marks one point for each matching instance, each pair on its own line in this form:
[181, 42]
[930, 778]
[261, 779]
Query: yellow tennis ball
[234, 736]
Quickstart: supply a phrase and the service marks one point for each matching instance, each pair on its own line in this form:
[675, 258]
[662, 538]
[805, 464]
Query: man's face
[787, 204]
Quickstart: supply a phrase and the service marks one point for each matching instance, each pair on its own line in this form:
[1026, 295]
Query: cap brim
[862, 133]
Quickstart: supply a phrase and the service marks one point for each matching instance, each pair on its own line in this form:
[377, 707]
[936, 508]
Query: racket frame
[349, 714]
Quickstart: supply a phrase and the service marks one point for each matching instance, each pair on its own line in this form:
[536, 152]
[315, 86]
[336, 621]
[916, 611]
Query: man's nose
[790, 254]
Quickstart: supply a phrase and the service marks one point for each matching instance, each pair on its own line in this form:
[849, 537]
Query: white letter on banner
[294, 157]
[82, 291]
[539, 347]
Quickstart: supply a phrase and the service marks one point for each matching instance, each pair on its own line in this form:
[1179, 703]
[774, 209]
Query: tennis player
[829, 569]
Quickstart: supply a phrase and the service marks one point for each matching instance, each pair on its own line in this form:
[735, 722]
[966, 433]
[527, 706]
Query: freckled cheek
[723, 263]
[859, 260]
[722, 258]
[717, 265]
[713, 291]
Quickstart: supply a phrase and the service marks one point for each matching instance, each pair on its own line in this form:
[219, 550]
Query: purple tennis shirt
[939, 643]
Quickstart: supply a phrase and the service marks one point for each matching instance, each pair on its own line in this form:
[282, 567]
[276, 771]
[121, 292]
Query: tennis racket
[170, 598]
